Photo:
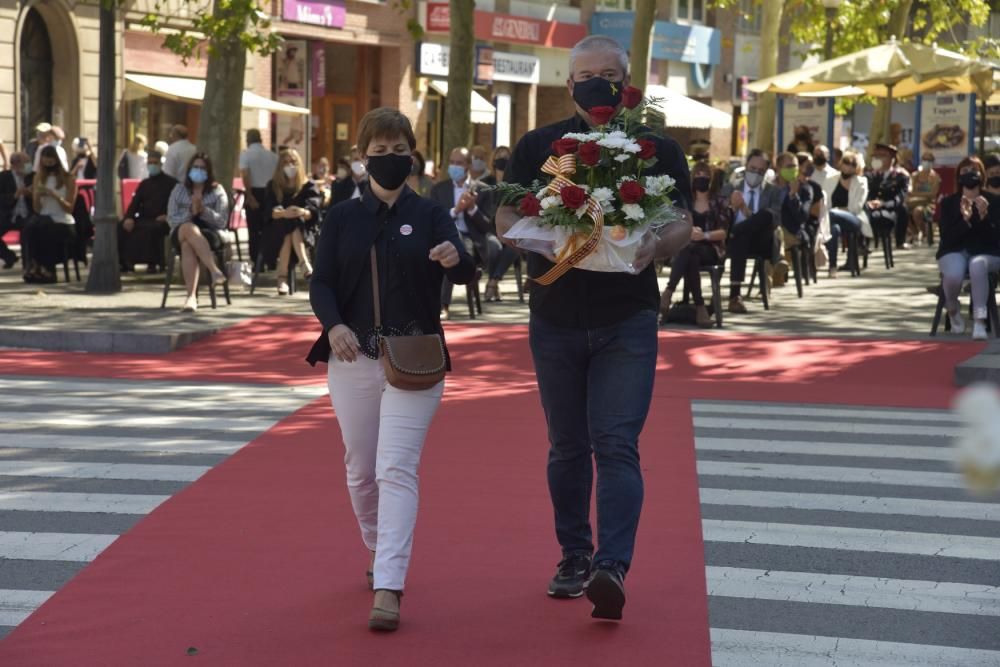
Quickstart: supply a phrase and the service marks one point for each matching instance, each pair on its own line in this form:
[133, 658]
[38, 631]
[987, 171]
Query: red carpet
[260, 562]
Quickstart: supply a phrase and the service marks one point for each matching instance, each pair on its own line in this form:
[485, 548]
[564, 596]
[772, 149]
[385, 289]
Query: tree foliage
[245, 21]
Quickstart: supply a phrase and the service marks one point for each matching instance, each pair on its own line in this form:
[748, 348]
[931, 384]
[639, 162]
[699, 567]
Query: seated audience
[47, 236]
[970, 243]
[846, 197]
[16, 205]
[197, 212]
[992, 164]
[888, 186]
[292, 203]
[144, 227]
[711, 217]
[926, 184]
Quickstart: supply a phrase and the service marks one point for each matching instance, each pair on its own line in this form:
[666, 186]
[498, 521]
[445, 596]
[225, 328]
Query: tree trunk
[105, 275]
[222, 107]
[896, 27]
[461, 60]
[645, 11]
[764, 135]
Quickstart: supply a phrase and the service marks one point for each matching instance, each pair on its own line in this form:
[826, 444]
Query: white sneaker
[283, 288]
[190, 305]
[979, 330]
[957, 323]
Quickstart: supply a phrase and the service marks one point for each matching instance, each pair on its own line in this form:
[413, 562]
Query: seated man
[142, 231]
[756, 209]
[470, 206]
[802, 204]
[15, 201]
[888, 185]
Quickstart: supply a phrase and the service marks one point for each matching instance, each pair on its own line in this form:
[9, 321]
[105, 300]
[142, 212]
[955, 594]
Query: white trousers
[383, 429]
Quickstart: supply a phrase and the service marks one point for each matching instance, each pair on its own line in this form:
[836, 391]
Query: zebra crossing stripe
[150, 443]
[180, 420]
[106, 503]
[134, 471]
[53, 546]
[823, 412]
[17, 605]
[824, 588]
[745, 648]
[832, 474]
[737, 424]
[916, 453]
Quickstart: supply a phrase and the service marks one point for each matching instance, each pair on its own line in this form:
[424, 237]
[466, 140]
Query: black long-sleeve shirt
[341, 288]
[590, 299]
[151, 198]
[978, 236]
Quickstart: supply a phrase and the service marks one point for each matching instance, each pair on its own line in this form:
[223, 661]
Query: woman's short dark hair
[384, 123]
[972, 161]
[209, 182]
[991, 160]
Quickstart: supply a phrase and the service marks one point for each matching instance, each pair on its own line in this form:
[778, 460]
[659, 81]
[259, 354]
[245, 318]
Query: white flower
[584, 137]
[633, 212]
[582, 211]
[616, 140]
[550, 202]
[608, 206]
[632, 148]
[657, 185]
[623, 157]
[603, 194]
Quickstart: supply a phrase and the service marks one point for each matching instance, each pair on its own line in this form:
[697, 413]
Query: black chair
[884, 236]
[759, 270]
[714, 272]
[220, 258]
[72, 250]
[799, 263]
[235, 218]
[472, 295]
[993, 315]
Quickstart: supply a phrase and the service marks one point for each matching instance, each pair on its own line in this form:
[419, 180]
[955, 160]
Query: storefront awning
[681, 111]
[193, 90]
[483, 112]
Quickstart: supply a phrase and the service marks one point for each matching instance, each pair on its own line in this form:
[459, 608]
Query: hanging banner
[290, 88]
[805, 121]
[946, 125]
[317, 69]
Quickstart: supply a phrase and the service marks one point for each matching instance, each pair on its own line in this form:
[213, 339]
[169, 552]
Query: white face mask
[926, 165]
[291, 171]
[358, 167]
[877, 163]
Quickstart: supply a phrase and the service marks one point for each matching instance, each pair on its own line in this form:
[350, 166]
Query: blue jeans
[596, 386]
[847, 225]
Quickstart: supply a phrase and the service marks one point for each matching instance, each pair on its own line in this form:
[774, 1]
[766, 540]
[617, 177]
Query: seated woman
[46, 235]
[712, 217]
[925, 185]
[503, 260]
[846, 197]
[293, 204]
[197, 212]
[970, 242]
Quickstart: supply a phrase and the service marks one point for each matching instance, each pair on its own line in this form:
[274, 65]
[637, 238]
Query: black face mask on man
[597, 92]
[390, 170]
[970, 179]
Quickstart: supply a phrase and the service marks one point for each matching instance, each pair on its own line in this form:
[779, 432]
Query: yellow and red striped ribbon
[560, 168]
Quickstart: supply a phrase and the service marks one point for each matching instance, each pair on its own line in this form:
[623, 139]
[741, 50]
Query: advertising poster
[945, 126]
[291, 78]
[805, 121]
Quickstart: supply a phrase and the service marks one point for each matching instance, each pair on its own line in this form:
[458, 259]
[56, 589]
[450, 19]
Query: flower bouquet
[597, 206]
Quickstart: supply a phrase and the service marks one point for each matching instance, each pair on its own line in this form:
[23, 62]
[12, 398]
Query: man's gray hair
[594, 43]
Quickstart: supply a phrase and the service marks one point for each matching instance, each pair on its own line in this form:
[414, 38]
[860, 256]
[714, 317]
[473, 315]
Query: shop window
[750, 16]
[691, 10]
[615, 5]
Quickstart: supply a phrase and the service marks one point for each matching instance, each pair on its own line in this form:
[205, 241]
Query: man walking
[593, 337]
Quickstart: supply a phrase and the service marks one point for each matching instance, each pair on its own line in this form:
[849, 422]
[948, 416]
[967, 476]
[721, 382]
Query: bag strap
[375, 290]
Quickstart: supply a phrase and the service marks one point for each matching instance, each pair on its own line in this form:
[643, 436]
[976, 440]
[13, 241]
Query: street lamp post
[831, 7]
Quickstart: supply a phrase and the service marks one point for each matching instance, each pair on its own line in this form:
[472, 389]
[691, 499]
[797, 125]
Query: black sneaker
[571, 575]
[606, 590]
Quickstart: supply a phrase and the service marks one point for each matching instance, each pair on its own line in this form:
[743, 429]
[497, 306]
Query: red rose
[648, 149]
[631, 192]
[530, 206]
[631, 97]
[565, 146]
[601, 115]
[573, 197]
[590, 153]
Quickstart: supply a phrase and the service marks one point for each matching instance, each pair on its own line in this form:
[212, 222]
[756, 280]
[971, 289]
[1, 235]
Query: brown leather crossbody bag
[412, 363]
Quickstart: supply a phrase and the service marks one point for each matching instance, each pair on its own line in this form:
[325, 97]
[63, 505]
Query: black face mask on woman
[700, 183]
[970, 179]
[993, 181]
[390, 170]
[500, 164]
[597, 92]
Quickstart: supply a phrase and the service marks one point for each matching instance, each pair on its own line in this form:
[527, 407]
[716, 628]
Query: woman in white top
[846, 198]
[132, 163]
[46, 237]
[197, 213]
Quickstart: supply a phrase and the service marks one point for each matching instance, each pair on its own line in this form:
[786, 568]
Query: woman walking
[359, 303]
[197, 212]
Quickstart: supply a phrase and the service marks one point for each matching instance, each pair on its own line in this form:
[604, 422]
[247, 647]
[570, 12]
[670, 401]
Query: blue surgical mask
[154, 169]
[456, 172]
[197, 175]
[478, 165]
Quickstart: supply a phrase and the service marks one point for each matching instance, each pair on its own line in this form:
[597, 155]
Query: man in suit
[144, 227]
[756, 214]
[352, 187]
[15, 201]
[469, 205]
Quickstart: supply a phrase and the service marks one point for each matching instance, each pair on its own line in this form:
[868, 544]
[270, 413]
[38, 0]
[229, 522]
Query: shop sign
[945, 126]
[493, 27]
[326, 13]
[510, 67]
[671, 41]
